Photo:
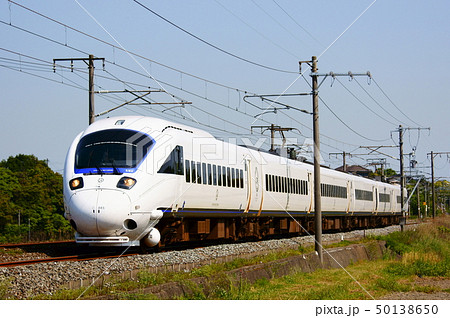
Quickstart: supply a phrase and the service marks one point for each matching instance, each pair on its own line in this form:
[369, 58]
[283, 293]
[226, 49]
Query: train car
[145, 181]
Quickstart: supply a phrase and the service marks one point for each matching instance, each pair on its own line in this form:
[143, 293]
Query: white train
[138, 180]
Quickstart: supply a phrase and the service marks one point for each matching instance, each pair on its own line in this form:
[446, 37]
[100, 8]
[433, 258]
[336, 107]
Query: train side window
[194, 173]
[204, 177]
[214, 170]
[242, 178]
[209, 174]
[174, 162]
[224, 176]
[280, 187]
[233, 178]
[274, 184]
[228, 177]
[199, 172]
[219, 175]
[188, 170]
[282, 184]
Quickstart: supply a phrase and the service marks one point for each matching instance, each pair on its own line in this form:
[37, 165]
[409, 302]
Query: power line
[255, 30]
[346, 125]
[212, 45]
[376, 102]
[394, 103]
[276, 21]
[295, 21]
[362, 103]
[66, 45]
[109, 44]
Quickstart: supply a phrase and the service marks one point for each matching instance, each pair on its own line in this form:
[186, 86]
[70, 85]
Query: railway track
[60, 249]
[61, 259]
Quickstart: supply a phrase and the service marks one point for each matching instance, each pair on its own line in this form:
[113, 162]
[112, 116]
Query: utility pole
[418, 202]
[378, 162]
[402, 173]
[316, 136]
[273, 129]
[90, 63]
[400, 131]
[344, 155]
[432, 186]
[433, 154]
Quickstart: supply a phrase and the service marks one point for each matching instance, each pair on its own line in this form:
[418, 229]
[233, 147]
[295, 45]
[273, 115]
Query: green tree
[29, 187]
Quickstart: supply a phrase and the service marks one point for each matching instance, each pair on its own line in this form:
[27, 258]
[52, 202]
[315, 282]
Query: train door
[288, 185]
[248, 174]
[392, 197]
[254, 186]
[350, 196]
[310, 192]
[376, 199]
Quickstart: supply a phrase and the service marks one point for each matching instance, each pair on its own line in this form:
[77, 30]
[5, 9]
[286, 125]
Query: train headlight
[76, 183]
[126, 183]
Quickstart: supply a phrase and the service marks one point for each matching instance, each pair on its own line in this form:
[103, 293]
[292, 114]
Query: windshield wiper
[99, 171]
[116, 171]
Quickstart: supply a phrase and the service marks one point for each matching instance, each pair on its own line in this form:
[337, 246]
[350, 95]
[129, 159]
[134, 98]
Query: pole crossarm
[90, 63]
[274, 109]
[334, 75]
[273, 128]
[137, 97]
[375, 149]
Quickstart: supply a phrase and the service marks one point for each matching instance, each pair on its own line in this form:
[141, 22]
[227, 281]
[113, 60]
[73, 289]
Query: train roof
[144, 124]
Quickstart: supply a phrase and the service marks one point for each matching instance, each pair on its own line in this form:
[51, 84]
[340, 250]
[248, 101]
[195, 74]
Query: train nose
[99, 212]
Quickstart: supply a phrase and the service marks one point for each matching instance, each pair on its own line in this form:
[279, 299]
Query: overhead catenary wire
[212, 45]
[362, 103]
[277, 22]
[348, 126]
[129, 52]
[256, 30]
[65, 44]
[398, 108]
[296, 22]
[376, 102]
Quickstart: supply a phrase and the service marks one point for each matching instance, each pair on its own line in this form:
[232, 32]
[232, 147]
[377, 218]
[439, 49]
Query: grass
[11, 251]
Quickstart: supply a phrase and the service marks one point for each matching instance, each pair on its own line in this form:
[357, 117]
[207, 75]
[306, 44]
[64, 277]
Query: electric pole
[90, 63]
[344, 155]
[433, 154]
[402, 173]
[273, 129]
[316, 137]
[400, 131]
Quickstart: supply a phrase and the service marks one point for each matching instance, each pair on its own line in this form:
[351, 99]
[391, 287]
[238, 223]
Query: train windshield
[112, 151]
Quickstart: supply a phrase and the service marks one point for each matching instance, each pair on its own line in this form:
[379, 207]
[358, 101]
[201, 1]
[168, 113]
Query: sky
[214, 53]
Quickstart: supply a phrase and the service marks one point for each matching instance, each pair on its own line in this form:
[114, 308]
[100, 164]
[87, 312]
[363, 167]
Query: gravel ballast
[45, 278]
